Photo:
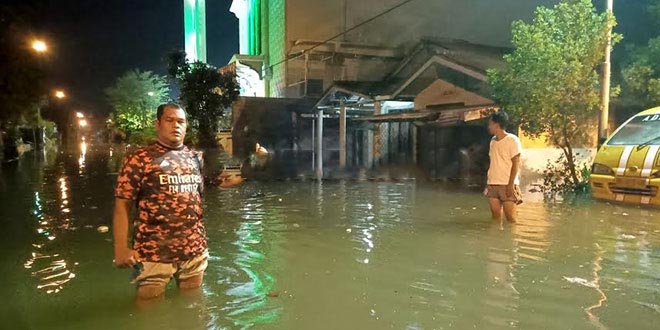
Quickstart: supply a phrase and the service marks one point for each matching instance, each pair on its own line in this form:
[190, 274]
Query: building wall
[286, 21]
[539, 151]
[480, 21]
[318, 20]
[275, 52]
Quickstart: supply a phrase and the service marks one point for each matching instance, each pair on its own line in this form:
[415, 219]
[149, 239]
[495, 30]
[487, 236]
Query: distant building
[275, 34]
[410, 77]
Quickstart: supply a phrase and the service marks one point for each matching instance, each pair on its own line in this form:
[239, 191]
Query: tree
[205, 93]
[641, 75]
[654, 8]
[21, 76]
[134, 98]
[551, 82]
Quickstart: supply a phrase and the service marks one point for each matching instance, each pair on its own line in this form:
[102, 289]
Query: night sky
[94, 41]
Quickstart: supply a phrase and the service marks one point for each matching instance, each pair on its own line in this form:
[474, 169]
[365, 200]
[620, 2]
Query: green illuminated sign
[194, 21]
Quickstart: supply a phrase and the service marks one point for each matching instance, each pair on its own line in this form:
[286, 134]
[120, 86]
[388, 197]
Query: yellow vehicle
[627, 167]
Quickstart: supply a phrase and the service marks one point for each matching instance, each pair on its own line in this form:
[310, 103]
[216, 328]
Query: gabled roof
[421, 67]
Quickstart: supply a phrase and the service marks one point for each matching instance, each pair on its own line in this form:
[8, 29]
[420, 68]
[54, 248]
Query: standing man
[503, 187]
[164, 181]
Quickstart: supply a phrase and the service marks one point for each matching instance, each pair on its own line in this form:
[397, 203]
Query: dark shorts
[499, 192]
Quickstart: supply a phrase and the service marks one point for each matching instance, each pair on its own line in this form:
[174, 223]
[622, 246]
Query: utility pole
[603, 130]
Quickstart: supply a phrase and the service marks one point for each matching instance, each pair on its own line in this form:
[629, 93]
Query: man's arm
[515, 166]
[124, 256]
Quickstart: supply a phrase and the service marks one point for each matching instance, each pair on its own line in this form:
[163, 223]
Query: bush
[557, 178]
[50, 129]
[144, 137]
[192, 138]
[149, 136]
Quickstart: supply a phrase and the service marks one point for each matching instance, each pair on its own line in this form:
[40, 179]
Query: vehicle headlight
[601, 169]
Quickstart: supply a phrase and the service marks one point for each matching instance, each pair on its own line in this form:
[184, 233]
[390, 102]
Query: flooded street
[336, 255]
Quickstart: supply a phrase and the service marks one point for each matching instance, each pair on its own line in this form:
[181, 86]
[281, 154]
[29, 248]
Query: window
[640, 130]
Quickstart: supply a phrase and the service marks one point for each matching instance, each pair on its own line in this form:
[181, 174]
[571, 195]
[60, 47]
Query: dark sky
[94, 41]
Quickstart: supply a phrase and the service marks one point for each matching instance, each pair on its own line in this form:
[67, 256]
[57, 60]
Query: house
[394, 82]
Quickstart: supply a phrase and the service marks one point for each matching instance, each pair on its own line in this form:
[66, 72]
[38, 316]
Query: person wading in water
[164, 180]
[503, 187]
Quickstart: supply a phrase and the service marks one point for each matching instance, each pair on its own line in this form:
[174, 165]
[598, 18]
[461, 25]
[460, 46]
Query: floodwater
[337, 255]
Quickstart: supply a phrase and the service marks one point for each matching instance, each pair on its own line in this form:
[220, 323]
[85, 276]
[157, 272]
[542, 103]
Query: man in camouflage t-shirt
[165, 181]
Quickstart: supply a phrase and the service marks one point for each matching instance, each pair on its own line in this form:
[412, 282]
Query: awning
[446, 117]
[401, 117]
[464, 115]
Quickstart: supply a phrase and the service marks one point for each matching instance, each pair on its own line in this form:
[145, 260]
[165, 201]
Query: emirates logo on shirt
[180, 183]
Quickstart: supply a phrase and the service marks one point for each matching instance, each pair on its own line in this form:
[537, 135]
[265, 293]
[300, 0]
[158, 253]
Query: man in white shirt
[503, 187]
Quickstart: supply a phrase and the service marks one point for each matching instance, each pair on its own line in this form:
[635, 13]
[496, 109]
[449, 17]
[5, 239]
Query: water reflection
[251, 285]
[51, 213]
[83, 154]
[597, 268]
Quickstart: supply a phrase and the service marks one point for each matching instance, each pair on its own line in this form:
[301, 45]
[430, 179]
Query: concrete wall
[479, 21]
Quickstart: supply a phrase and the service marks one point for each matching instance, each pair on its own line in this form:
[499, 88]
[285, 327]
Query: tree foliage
[550, 85]
[654, 8]
[134, 98]
[205, 93]
[641, 75]
[21, 74]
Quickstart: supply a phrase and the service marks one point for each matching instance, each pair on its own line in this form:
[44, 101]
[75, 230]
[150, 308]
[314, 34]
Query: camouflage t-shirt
[166, 184]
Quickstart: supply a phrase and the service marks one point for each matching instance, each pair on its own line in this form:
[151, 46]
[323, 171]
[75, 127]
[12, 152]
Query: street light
[80, 115]
[144, 108]
[39, 46]
[60, 94]
[82, 123]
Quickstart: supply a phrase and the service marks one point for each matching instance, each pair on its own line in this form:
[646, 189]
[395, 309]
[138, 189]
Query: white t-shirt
[501, 153]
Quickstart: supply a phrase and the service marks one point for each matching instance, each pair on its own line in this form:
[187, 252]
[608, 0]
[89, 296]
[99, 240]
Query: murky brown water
[337, 255]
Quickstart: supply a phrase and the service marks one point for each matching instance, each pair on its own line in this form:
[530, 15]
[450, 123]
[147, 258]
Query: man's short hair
[162, 107]
[501, 118]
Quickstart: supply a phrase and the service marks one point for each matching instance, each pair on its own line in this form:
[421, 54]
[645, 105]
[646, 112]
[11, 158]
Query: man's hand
[125, 257]
[510, 190]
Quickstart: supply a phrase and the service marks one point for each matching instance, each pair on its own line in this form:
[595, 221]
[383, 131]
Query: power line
[345, 32]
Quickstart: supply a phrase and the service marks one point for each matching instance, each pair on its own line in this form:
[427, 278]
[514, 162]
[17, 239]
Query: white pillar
[319, 145]
[342, 135]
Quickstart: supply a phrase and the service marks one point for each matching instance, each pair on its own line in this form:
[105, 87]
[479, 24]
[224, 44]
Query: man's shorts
[158, 273]
[499, 192]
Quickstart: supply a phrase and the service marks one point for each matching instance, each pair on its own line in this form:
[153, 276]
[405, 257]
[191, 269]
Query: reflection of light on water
[51, 270]
[64, 202]
[603, 298]
[531, 234]
[249, 305]
[83, 153]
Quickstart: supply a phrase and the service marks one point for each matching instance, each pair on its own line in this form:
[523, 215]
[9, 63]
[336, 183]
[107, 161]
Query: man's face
[493, 127]
[171, 127]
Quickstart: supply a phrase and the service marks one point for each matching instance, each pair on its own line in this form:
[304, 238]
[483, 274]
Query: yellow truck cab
[627, 168]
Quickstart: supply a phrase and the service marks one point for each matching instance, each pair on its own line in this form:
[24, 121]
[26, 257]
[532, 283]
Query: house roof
[420, 68]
